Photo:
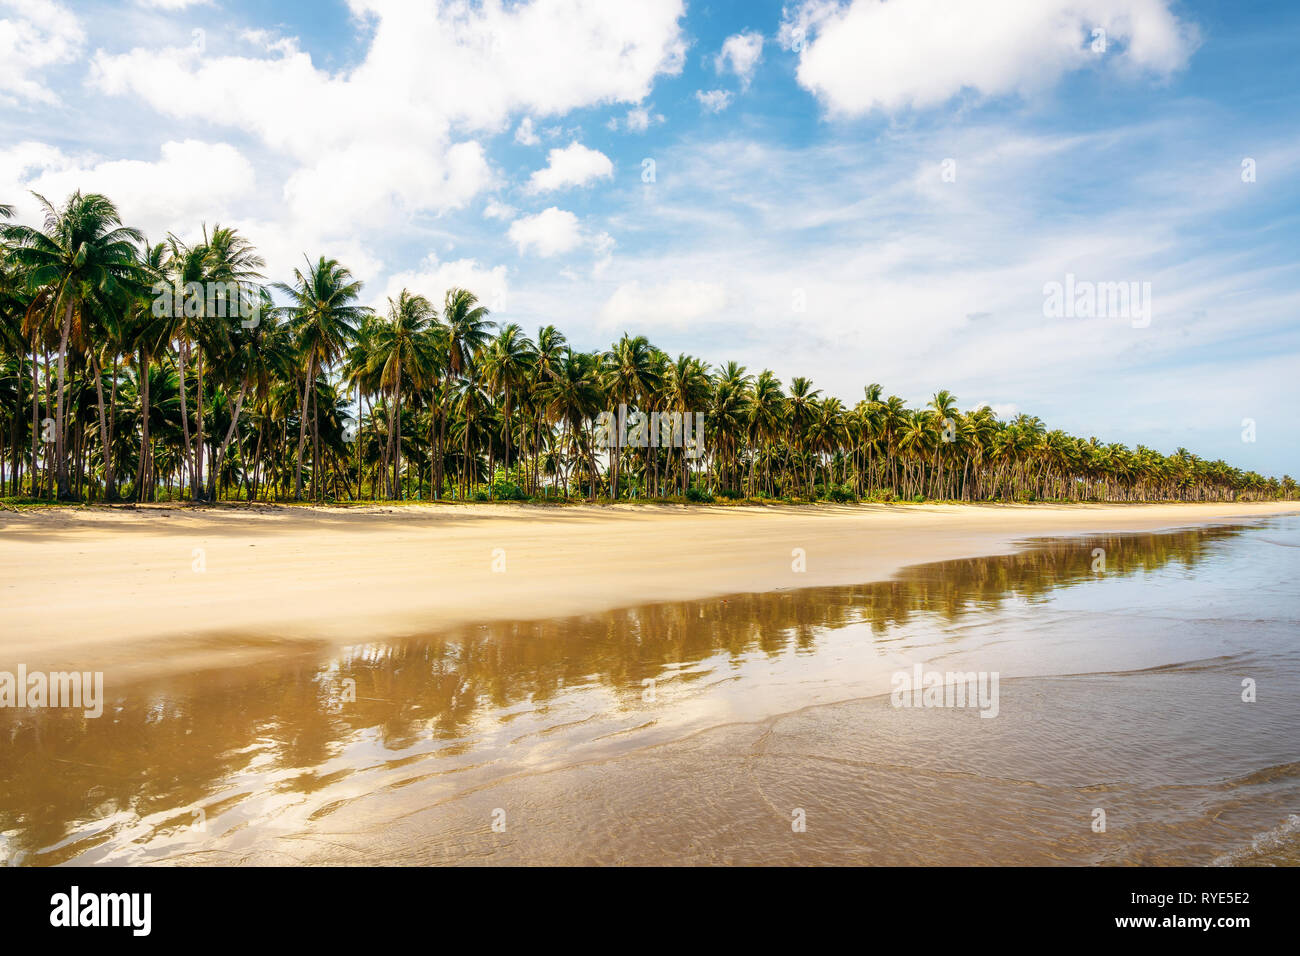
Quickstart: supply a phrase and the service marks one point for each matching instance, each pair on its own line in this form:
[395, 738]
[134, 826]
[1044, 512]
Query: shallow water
[711, 731]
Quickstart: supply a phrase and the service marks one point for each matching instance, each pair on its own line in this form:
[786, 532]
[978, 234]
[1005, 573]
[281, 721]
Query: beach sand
[141, 592]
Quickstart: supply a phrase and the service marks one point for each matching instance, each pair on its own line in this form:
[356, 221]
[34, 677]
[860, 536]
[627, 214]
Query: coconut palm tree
[547, 360]
[81, 251]
[765, 423]
[800, 411]
[507, 362]
[467, 331]
[259, 355]
[324, 317]
[402, 347]
[628, 377]
[574, 396]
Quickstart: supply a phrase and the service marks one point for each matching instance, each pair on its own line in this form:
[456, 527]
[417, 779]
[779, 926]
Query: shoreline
[148, 591]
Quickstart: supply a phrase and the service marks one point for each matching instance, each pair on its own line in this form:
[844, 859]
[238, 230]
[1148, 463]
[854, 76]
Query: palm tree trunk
[197, 474]
[315, 445]
[185, 414]
[144, 477]
[105, 444]
[218, 460]
[36, 421]
[60, 459]
[302, 429]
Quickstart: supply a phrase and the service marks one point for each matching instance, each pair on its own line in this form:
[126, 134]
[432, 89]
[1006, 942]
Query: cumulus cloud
[173, 4]
[495, 209]
[385, 183]
[740, 54]
[551, 232]
[433, 278]
[715, 101]
[637, 120]
[555, 231]
[862, 55]
[34, 35]
[575, 165]
[154, 195]
[478, 66]
[524, 134]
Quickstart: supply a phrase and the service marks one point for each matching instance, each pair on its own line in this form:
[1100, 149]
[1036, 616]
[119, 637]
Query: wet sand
[702, 731]
[138, 593]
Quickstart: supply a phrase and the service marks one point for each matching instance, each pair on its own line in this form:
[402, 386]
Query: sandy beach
[141, 592]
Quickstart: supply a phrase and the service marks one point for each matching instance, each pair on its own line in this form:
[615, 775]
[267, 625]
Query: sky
[850, 190]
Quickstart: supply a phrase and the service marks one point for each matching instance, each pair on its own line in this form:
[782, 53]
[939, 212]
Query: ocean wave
[1278, 845]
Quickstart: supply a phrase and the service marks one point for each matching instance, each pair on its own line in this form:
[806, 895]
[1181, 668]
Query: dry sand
[142, 592]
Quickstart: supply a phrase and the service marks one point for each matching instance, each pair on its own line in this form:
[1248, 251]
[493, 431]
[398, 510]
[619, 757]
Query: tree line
[141, 371]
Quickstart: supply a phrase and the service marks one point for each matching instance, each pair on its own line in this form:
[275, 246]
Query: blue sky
[852, 191]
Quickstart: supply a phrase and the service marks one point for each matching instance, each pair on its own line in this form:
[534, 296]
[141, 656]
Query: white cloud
[740, 54]
[433, 278]
[715, 101]
[1006, 411]
[551, 232]
[554, 231]
[386, 183]
[287, 246]
[524, 134]
[34, 34]
[270, 42]
[638, 119]
[398, 125]
[173, 4]
[864, 54]
[670, 305]
[477, 66]
[495, 209]
[575, 165]
[189, 182]
[820, 255]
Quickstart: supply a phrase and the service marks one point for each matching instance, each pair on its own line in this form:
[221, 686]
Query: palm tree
[506, 365]
[627, 376]
[730, 413]
[764, 424]
[893, 419]
[324, 319]
[684, 388]
[574, 396]
[467, 330]
[260, 354]
[400, 347]
[146, 334]
[232, 270]
[800, 411]
[82, 251]
[943, 408]
[547, 360]
[466, 333]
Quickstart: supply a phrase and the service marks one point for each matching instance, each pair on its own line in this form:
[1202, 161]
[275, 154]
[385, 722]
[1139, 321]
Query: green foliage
[841, 494]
